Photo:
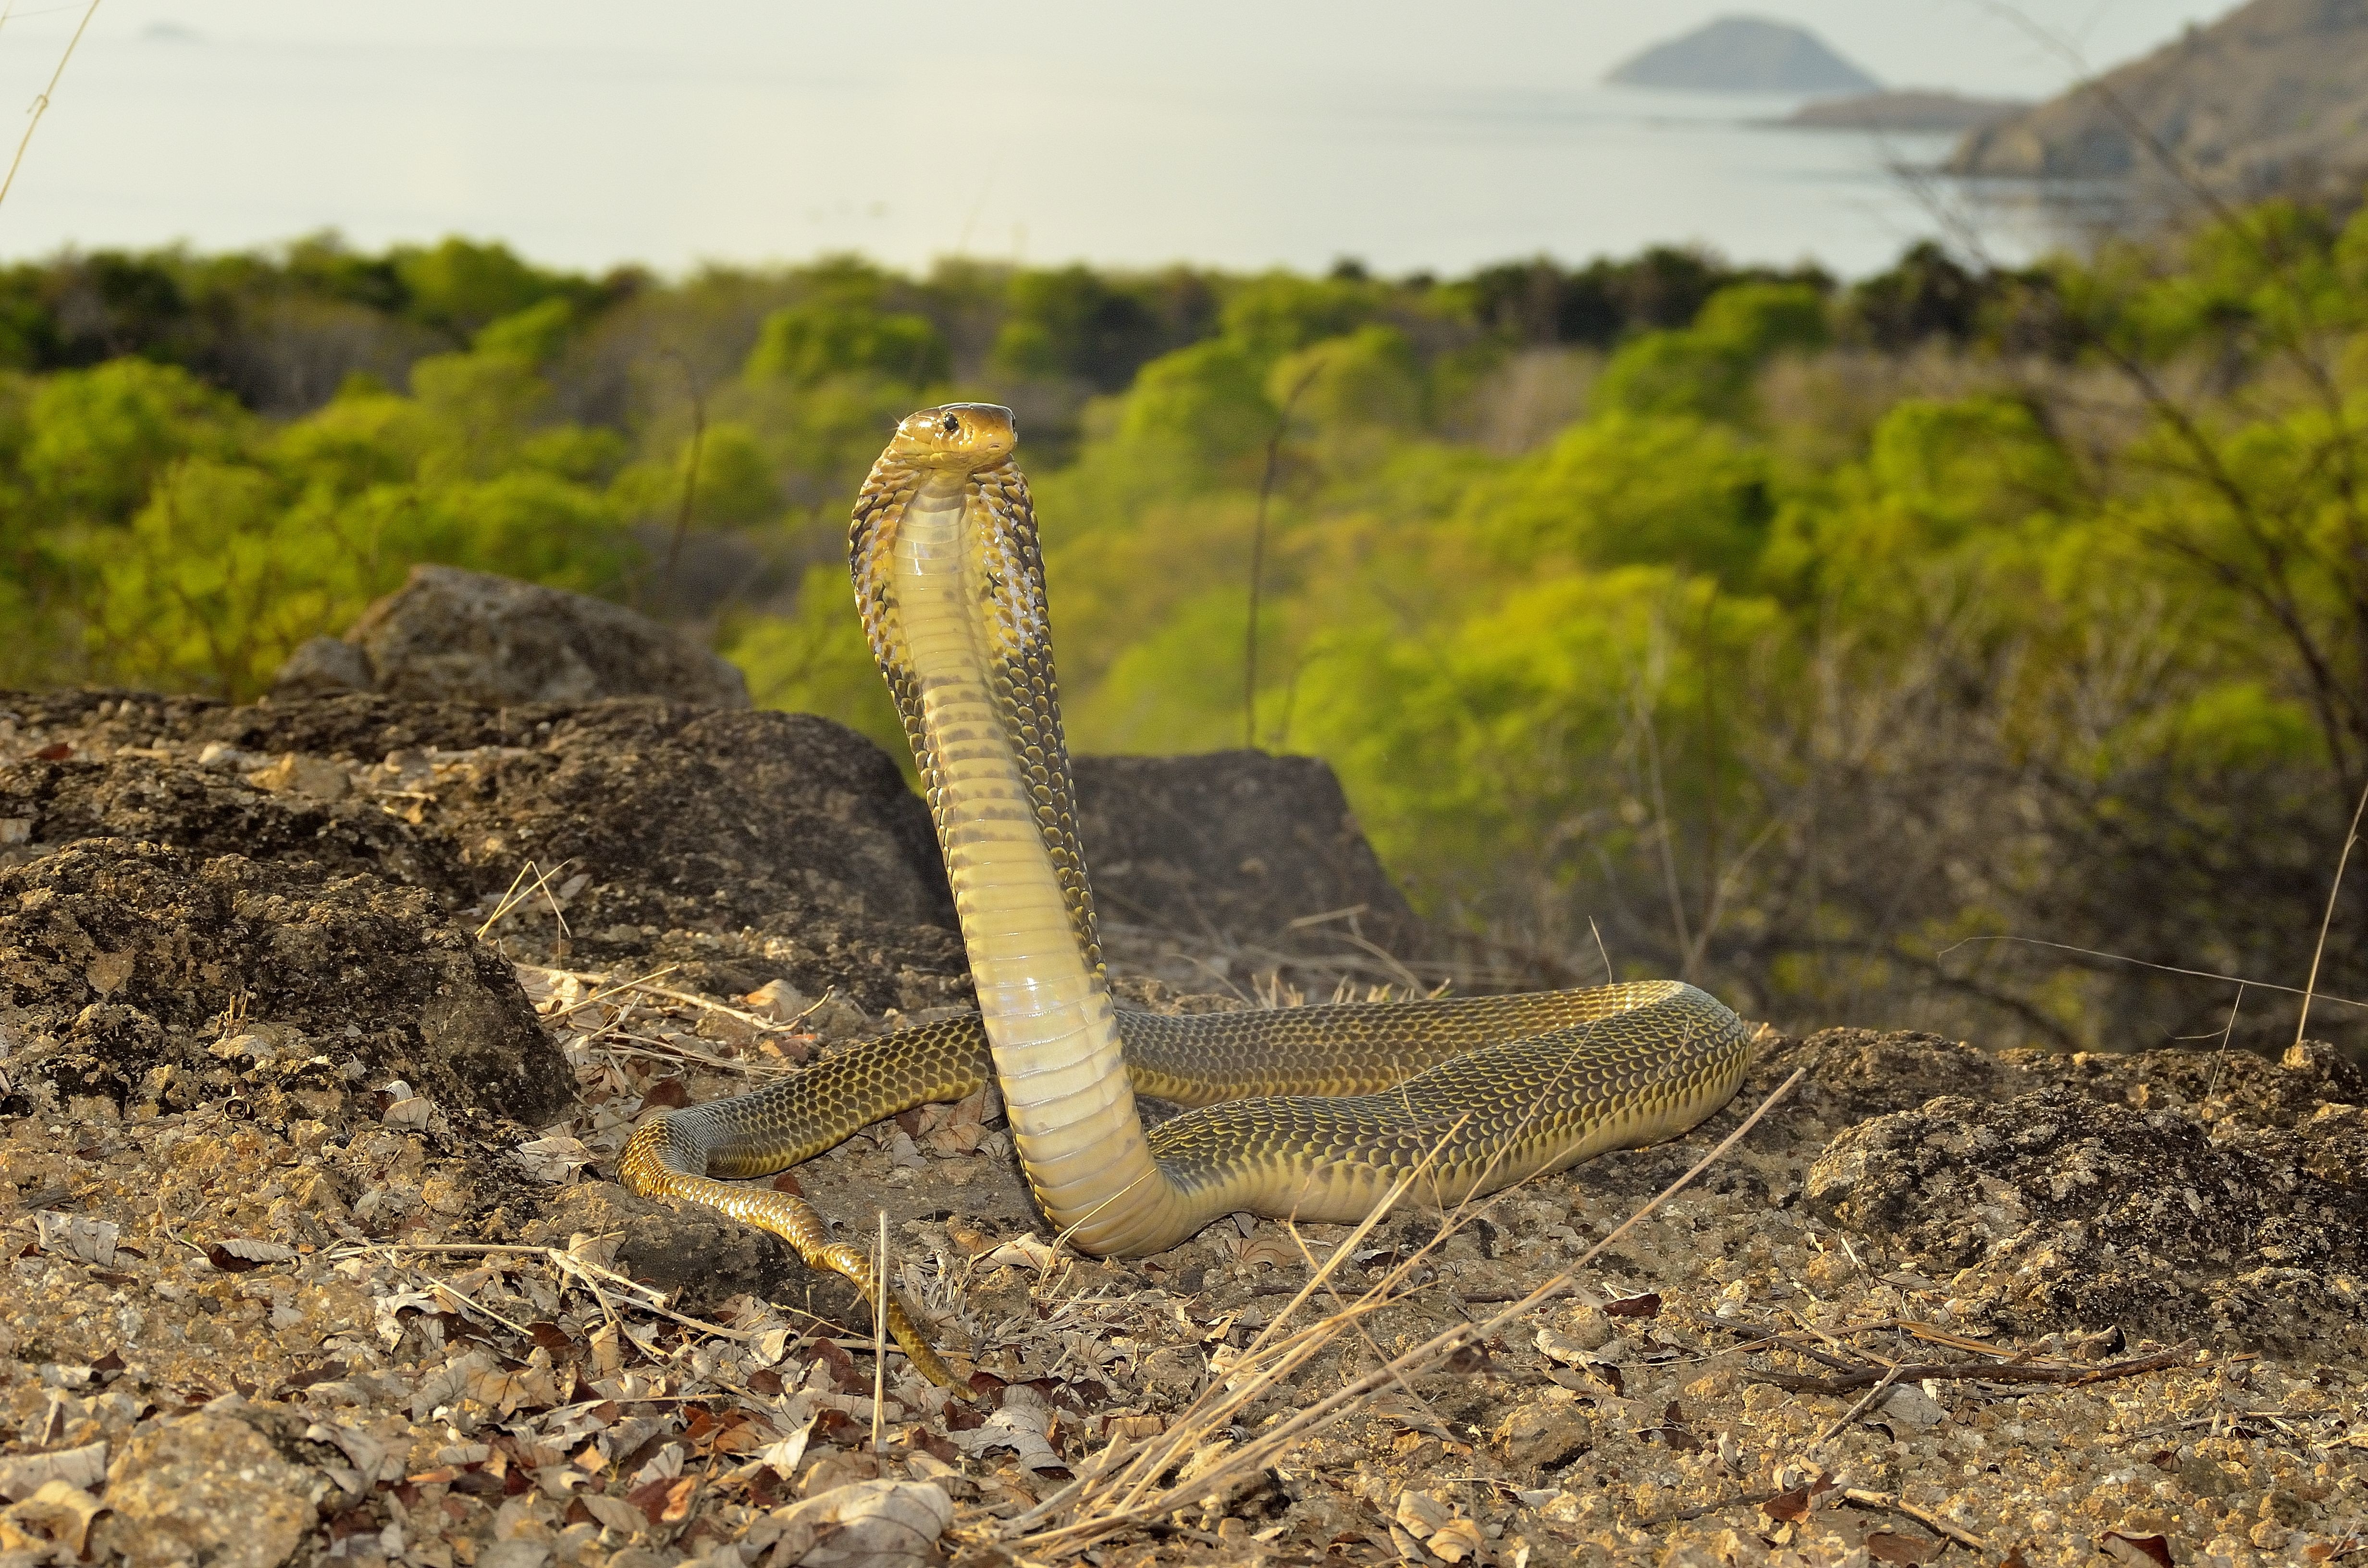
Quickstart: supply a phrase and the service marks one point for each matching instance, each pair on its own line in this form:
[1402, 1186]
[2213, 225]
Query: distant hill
[1912, 108]
[2272, 97]
[1745, 54]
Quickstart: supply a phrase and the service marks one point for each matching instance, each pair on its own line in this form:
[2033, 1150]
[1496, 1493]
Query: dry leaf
[872, 1524]
[614, 1513]
[238, 1255]
[387, 1311]
[554, 1157]
[1888, 1546]
[449, 1384]
[2151, 1549]
[58, 1513]
[412, 1113]
[1032, 1251]
[1267, 1248]
[1020, 1430]
[21, 1475]
[372, 1457]
[783, 1456]
[1645, 1306]
[1456, 1539]
[1570, 1352]
[1422, 1513]
[79, 1237]
[777, 1000]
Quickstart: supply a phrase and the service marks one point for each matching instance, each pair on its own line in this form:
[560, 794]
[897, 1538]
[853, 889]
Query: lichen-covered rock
[1854, 1074]
[448, 632]
[123, 965]
[206, 1490]
[2082, 1213]
[168, 800]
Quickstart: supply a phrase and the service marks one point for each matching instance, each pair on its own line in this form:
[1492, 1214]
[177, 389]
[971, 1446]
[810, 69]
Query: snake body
[1313, 1112]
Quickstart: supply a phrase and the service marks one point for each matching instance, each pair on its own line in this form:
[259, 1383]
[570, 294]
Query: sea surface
[589, 157]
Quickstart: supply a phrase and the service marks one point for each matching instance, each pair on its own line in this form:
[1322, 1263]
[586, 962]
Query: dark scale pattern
[1315, 1111]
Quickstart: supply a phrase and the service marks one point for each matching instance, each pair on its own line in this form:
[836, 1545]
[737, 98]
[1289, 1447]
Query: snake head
[962, 438]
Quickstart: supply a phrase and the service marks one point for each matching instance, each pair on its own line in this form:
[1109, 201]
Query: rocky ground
[322, 1022]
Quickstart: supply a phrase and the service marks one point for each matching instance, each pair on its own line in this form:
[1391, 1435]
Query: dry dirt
[310, 1104]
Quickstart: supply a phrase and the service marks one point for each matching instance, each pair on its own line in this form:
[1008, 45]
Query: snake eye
[952, 424]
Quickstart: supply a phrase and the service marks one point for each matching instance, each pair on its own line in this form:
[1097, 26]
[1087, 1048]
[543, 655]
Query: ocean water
[589, 157]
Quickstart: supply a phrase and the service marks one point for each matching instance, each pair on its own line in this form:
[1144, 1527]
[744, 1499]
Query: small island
[1745, 54]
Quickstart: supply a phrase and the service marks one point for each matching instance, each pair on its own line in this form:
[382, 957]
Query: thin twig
[2148, 963]
[2351, 837]
[41, 104]
[690, 467]
[1882, 1386]
[1896, 1504]
[1257, 554]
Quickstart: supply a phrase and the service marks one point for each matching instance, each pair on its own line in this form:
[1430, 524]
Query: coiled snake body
[1313, 1112]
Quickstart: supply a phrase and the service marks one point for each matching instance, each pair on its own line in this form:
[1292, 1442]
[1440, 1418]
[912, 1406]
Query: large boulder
[453, 633]
[1239, 845]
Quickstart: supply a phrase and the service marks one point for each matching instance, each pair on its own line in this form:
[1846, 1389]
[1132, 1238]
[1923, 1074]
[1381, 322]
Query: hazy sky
[1961, 43]
[595, 132]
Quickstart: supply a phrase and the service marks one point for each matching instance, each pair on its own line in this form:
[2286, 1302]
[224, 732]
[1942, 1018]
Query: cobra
[1314, 1112]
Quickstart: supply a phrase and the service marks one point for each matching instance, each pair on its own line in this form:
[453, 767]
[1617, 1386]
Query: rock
[164, 800]
[1241, 844]
[453, 633]
[321, 665]
[1856, 1074]
[2080, 1214]
[310, 778]
[117, 960]
[1908, 1406]
[205, 1490]
[685, 820]
[794, 838]
[789, 828]
[1541, 1437]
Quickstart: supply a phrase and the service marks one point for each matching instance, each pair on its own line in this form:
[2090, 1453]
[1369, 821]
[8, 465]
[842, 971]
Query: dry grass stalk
[515, 895]
[601, 995]
[41, 104]
[1109, 1498]
[2351, 837]
[880, 1331]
